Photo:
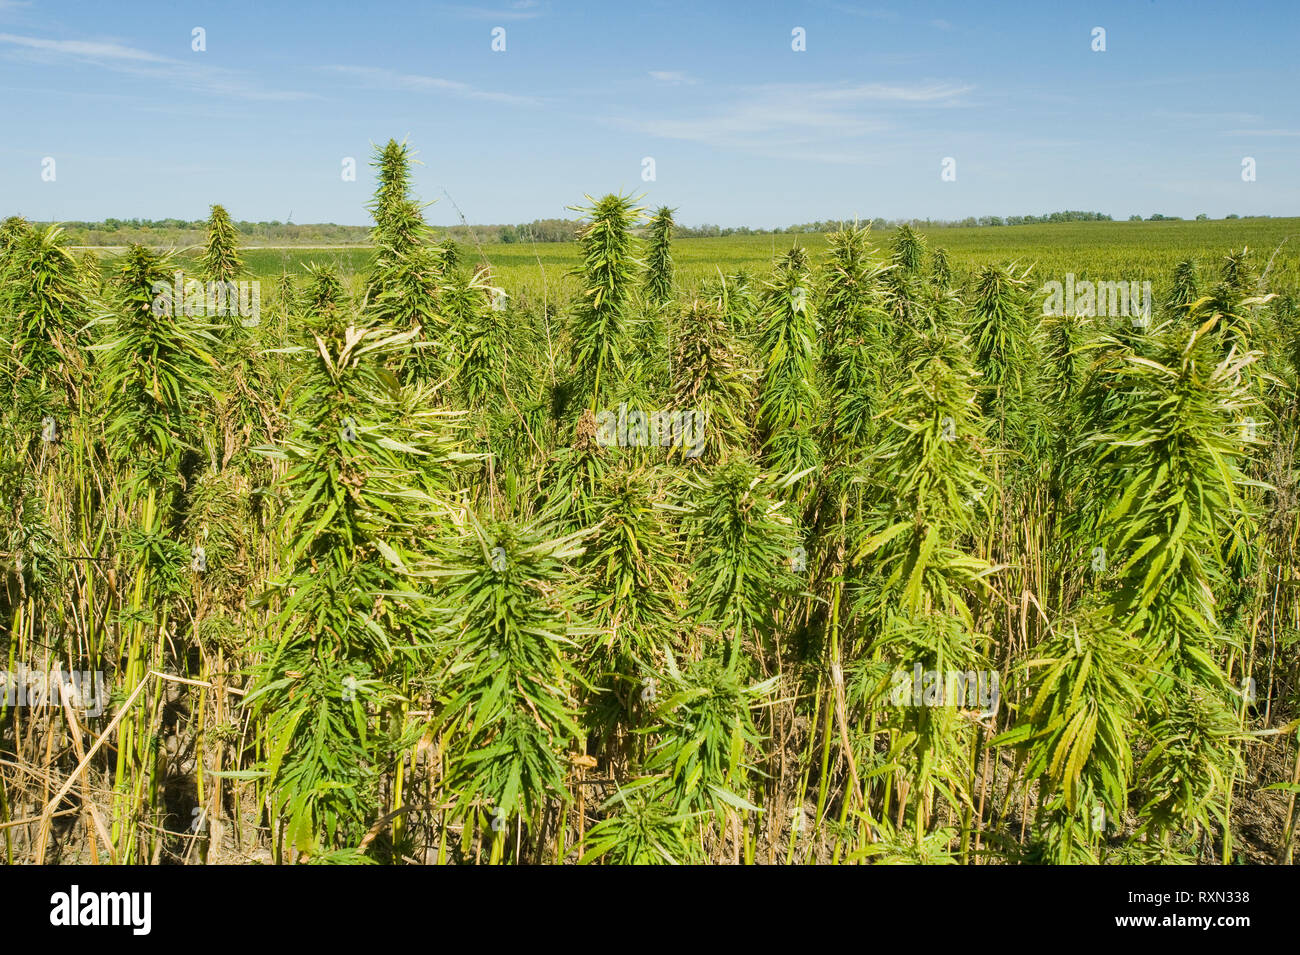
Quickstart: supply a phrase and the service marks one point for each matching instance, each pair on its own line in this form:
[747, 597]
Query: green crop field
[1119, 251]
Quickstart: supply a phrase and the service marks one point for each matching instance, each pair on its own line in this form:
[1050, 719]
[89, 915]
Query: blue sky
[743, 129]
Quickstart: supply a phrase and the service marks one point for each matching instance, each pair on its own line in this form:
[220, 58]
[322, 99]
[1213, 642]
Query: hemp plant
[608, 273]
[349, 610]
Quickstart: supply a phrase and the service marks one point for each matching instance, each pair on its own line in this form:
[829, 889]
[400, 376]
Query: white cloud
[944, 93]
[1200, 118]
[84, 49]
[871, 13]
[119, 58]
[800, 121]
[671, 77]
[378, 78]
[518, 10]
[1246, 133]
